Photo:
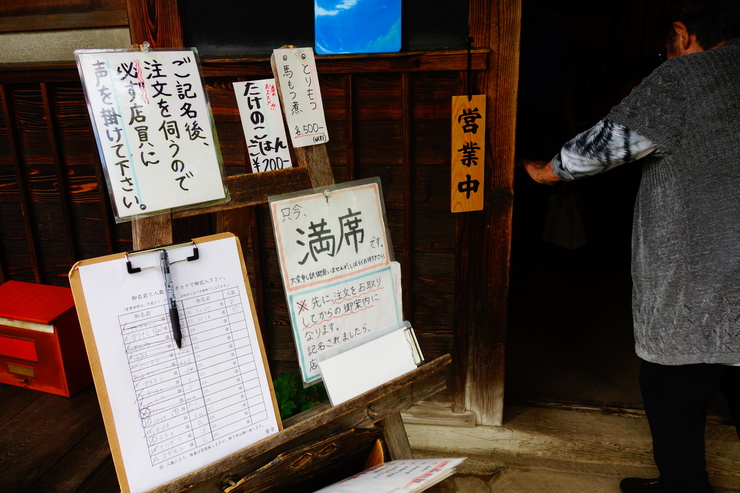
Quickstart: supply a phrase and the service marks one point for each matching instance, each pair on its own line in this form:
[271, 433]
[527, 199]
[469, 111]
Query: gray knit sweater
[686, 234]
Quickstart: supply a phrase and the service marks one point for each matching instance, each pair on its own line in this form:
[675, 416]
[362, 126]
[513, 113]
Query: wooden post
[149, 232]
[484, 238]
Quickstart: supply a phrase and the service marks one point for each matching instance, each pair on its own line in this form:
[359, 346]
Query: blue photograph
[357, 26]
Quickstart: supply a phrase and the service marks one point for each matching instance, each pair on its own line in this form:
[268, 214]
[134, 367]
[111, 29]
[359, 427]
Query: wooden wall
[44, 15]
[387, 116]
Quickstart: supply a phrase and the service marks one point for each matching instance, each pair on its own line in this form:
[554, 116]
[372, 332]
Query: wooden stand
[312, 443]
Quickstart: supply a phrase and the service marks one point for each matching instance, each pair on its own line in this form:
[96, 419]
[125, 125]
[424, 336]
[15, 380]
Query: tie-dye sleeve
[598, 149]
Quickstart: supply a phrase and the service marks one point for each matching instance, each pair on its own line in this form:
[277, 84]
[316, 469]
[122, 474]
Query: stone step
[556, 450]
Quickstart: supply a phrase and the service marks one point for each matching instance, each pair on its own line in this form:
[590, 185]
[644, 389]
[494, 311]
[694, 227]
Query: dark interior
[570, 333]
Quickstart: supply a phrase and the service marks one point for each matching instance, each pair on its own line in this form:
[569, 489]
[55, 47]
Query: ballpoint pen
[170, 289]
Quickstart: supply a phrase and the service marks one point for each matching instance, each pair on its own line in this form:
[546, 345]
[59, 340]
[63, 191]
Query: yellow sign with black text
[468, 152]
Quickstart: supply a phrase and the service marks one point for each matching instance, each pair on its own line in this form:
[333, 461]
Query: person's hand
[541, 172]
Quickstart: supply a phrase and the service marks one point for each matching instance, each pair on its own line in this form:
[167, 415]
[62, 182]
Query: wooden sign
[262, 121]
[298, 80]
[468, 152]
[153, 126]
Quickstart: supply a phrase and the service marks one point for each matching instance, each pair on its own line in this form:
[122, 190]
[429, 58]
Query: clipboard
[169, 412]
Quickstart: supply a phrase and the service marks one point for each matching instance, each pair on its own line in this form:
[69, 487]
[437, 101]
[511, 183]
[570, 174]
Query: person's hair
[712, 21]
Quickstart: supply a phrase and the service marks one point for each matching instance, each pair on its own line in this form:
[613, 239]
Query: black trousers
[676, 399]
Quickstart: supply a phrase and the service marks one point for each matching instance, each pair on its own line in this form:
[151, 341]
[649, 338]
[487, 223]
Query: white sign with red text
[262, 121]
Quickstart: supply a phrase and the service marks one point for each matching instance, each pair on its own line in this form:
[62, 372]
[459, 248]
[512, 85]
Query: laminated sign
[296, 75]
[154, 130]
[262, 121]
[335, 258]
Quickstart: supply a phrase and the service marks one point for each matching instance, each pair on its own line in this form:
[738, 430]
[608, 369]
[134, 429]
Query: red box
[41, 345]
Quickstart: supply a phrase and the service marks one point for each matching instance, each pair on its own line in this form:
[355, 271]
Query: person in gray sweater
[683, 124]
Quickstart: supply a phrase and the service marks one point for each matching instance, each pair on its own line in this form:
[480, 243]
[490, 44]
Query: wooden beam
[255, 188]
[61, 172]
[16, 154]
[72, 20]
[149, 232]
[484, 239]
[156, 21]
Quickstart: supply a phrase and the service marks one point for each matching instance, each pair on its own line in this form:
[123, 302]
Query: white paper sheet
[398, 476]
[177, 410]
[357, 370]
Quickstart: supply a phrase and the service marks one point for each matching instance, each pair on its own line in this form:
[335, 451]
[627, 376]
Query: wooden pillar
[484, 238]
[156, 21]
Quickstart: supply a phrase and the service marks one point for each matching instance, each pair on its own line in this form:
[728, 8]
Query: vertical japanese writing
[468, 151]
[109, 118]
[151, 117]
[301, 96]
[263, 126]
[336, 268]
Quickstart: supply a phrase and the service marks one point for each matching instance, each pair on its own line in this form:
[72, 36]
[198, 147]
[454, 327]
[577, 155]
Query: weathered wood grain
[43, 433]
[313, 466]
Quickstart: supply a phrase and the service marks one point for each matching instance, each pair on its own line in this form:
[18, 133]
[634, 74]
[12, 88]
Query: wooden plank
[15, 401]
[157, 21]
[256, 67]
[407, 261]
[318, 423]
[149, 232]
[34, 7]
[434, 413]
[356, 64]
[311, 467]
[42, 434]
[14, 143]
[255, 188]
[70, 20]
[61, 185]
[395, 437]
[316, 160]
[90, 458]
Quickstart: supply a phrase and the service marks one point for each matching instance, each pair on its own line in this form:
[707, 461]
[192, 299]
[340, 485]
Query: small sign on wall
[468, 152]
[295, 70]
[262, 121]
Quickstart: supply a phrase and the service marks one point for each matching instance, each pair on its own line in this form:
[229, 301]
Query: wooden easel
[312, 443]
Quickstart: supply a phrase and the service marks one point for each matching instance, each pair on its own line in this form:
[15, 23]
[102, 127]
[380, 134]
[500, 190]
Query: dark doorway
[570, 333]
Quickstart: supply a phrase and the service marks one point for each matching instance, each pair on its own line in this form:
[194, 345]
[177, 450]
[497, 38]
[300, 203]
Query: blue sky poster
[357, 26]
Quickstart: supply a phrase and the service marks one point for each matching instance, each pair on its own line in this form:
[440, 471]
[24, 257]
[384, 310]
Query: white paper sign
[262, 121]
[340, 313]
[152, 122]
[335, 261]
[387, 354]
[299, 88]
[398, 476]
